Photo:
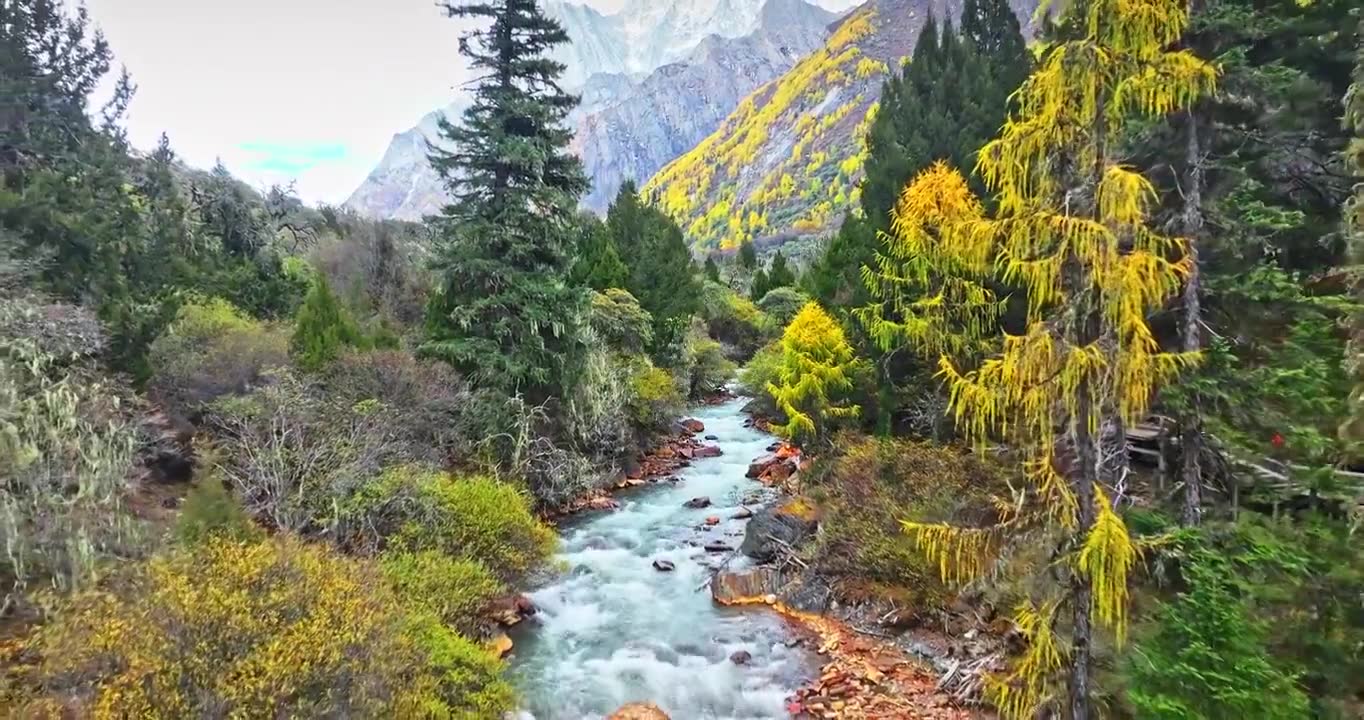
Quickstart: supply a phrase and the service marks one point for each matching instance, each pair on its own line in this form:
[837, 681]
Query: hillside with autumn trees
[1059, 397]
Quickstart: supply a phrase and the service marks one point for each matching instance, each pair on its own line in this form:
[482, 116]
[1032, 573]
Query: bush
[596, 407]
[620, 322]
[655, 401]
[781, 304]
[268, 629]
[708, 369]
[323, 328]
[210, 511]
[293, 456]
[761, 371]
[422, 402]
[1204, 657]
[734, 320]
[210, 351]
[477, 518]
[873, 485]
[463, 680]
[456, 590]
[66, 451]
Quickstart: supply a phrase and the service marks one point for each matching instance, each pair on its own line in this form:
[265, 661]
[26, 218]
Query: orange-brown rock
[693, 426]
[639, 711]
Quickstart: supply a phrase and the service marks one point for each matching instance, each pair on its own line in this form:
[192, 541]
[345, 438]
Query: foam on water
[612, 630]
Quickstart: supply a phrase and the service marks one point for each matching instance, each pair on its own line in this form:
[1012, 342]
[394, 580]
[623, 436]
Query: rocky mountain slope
[788, 160]
[637, 112]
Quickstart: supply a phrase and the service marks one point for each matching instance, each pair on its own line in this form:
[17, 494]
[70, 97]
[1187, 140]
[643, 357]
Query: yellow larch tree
[1069, 232]
[816, 377]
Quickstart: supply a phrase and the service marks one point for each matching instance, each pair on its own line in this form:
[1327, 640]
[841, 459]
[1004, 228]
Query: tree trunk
[1085, 475]
[1191, 441]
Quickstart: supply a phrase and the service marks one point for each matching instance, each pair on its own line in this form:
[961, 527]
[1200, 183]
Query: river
[613, 630]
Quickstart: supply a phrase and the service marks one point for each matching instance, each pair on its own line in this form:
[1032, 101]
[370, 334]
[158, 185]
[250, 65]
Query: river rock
[500, 645]
[664, 565]
[745, 586]
[712, 437]
[639, 711]
[757, 467]
[697, 503]
[740, 657]
[716, 546]
[743, 514]
[713, 520]
[693, 426]
[708, 451]
[789, 524]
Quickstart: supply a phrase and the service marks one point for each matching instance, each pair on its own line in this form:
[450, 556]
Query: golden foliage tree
[816, 376]
[1071, 232]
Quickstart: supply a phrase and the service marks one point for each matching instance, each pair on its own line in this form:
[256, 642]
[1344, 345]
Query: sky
[309, 91]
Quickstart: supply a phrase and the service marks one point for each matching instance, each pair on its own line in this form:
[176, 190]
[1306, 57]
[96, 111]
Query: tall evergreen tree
[946, 102]
[711, 269]
[779, 274]
[748, 255]
[660, 271]
[1353, 431]
[598, 264]
[503, 310]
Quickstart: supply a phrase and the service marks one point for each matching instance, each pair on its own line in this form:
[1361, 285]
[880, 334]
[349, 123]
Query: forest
[1079, 373]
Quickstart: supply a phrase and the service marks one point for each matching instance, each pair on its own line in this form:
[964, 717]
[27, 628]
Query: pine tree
[323, 328]
[748, 255]
[1072, 230]
[778, 274]
[503, 310]
[659, 268]
[598, 265]
[711, 269]
[759, 286]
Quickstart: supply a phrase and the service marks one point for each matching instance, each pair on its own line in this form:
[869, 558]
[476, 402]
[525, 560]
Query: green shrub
[734, 320]
[323, 328]
[655, 400]
[455, 590]
[760, 372]
[873, 485]
[597, 405]
[620, 322]
[210, 511]
[66, 455]
[708, 368]
[477, 518]
[1204, 657]
[781, 304]
[212, 350]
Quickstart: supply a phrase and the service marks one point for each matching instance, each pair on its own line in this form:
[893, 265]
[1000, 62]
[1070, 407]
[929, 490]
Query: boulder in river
[774, 529]
[697, 503]
[639, 711]
[743, 514]
[712, 437]
[745, 586]
[717, 546]
[740, 657]
[693, 426]
[708, 451]
[713, 520]
[664, 565]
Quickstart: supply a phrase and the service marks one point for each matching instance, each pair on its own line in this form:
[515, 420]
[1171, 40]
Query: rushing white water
[613, 630]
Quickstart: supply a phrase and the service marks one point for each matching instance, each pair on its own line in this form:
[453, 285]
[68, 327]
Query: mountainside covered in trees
[789, 158]
[654, 80]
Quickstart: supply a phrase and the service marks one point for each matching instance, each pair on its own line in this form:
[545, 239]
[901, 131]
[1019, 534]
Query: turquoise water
[613, 630]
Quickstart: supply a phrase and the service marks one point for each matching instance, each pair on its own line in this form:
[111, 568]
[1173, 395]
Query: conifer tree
[598, 265]
[659, 268]
[503, 310]
[815, 378]
[323, 328]
[759, 286]
[779, 274]
[748, 255]
[711, 269]
[1072, 230]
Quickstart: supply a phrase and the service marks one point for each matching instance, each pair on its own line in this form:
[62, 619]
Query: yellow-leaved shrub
[264, 629]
